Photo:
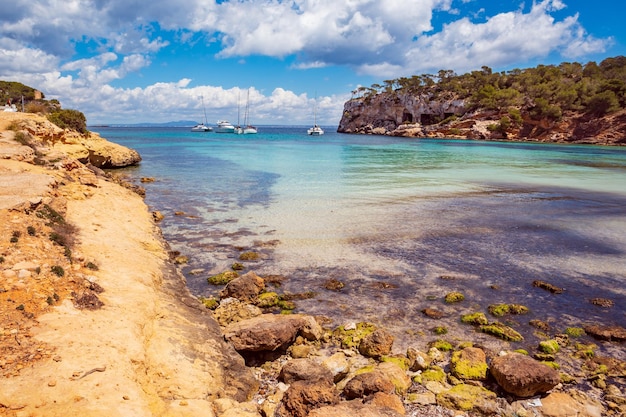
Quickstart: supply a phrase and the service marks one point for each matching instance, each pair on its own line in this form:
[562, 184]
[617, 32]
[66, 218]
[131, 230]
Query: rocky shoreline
[118, 333]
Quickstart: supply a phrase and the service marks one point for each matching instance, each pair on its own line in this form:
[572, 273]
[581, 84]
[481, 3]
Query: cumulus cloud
[81, 51]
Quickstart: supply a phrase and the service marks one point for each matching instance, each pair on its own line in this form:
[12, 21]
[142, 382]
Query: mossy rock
[439, 330]
[549, 346]
[518, 309]
[552, 365]
[401, 361]
[500, 310]
[441, 345]
[222, 278]
[502, 331]
[435, 374]
[267, 300]
[351, 338]
[465, 397]
[469, 364]
[575, 331]
[475, 319]
[237, 266]
[249, 256]
[454, 297]
[286, 305]
[210, 303]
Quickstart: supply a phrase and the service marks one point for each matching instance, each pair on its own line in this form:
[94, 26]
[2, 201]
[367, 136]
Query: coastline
[149, 350]
[154, 349]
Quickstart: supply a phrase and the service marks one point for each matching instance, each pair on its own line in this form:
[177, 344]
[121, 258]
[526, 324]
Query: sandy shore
[149, 350]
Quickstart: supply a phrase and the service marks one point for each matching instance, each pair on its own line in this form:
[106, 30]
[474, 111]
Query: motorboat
[224, 126]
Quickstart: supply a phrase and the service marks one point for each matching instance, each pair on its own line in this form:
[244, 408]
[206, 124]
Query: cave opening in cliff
[407, 117]
[430, 119]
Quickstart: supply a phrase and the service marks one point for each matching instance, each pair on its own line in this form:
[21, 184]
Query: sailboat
[315, 130]
[238, 129]
[248, 129]
[202, 127]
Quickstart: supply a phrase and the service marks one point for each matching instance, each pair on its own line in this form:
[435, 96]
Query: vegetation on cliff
[515, 101]
[31, 100]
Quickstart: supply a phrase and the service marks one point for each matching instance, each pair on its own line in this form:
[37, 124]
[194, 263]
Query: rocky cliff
[410, 115]
[89, 148]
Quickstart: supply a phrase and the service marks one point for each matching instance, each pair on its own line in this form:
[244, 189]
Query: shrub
[69, 119]
[57, 270]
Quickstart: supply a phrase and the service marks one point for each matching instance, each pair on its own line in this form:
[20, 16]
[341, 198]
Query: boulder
[338, 365]
[304, 396]
[418, 360]
[469, 363]
[304, 370]
[376, 344]
[232, 310]
[267, 332]
[368, 383]
[466, 398]
[245, 288]
[522, 375]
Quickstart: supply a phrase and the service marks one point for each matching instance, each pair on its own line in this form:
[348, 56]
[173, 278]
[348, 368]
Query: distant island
[566, 103]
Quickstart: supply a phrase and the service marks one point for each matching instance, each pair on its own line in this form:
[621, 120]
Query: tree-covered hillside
[546, 91]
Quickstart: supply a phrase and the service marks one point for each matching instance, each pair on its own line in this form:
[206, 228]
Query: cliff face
[409, 115]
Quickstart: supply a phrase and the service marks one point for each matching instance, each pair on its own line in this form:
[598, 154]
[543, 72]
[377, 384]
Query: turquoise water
[400, 221]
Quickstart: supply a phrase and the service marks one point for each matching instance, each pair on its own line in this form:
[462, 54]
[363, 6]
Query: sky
[291, 62]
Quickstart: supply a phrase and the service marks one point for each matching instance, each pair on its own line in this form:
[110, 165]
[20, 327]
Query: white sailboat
[248, 129]
[202, 127]
[315, 130]
[238, 129]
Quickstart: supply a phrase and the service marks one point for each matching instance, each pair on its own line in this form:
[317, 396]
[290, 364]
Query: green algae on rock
[454, 297]
[469, 363]
[465, 397]
[502, 331]
[222, 278]
[475, 319]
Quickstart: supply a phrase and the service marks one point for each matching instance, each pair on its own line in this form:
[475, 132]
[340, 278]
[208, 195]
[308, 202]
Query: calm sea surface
[401, 222]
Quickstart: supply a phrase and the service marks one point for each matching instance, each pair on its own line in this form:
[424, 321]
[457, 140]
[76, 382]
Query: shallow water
[400, 221]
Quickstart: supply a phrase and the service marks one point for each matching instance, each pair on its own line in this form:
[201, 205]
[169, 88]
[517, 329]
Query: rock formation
[409, 115]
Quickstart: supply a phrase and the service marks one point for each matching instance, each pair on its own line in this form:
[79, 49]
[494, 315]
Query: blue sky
[131, 61]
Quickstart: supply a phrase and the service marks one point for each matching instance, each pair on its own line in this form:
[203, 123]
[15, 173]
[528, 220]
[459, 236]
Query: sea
[397, 223]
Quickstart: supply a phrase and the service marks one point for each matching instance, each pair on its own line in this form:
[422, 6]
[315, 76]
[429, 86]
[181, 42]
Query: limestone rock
[376, 344]
[265, 333]
[368, 383]
[232, 310]
[338, 365]
[303, 396]
[418, 360]
[469, 363]
[561, 404]
[246, 287]
[354, 408]
[522, 375]
[304, 370]
[467, 397]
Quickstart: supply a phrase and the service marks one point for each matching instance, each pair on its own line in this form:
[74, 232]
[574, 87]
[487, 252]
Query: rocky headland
[97, 321]
[419, 116]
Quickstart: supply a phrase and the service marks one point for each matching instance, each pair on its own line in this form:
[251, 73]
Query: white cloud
[390, 38]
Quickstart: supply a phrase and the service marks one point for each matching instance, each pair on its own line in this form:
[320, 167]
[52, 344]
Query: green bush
[69, 119]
